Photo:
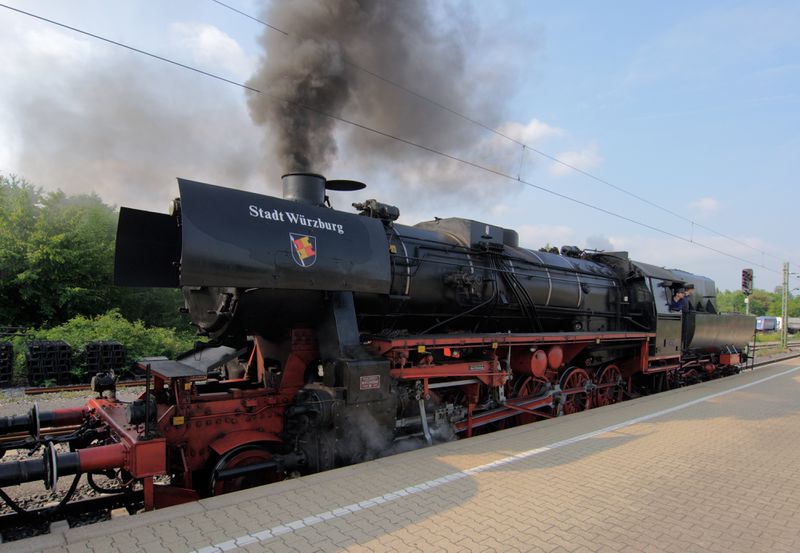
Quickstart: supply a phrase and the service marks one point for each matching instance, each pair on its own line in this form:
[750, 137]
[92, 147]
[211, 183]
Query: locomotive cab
[700, 339]
[668, 323]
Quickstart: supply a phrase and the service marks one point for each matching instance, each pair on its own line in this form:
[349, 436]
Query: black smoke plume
[421, 45]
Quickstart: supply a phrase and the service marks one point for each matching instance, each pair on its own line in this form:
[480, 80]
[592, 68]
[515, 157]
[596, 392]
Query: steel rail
[77, 387]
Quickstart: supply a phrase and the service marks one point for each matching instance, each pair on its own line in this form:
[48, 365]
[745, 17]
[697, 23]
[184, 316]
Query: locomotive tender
[337, 337]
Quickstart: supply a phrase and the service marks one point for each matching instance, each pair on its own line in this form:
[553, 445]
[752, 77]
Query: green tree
[57, 261]
[154, 306]
[760, 302]
[794, 306]
[56, 254]
[17, 220]
[730, 302]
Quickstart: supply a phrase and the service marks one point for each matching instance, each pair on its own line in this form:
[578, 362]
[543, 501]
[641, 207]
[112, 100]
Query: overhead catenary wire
[509, 138]
[133, 49]
[393, 137]
[247, 15]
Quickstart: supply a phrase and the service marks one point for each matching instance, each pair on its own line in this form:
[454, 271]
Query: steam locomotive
[336, 337]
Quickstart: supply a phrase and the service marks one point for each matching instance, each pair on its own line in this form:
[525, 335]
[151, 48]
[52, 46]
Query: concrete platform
[712, 467]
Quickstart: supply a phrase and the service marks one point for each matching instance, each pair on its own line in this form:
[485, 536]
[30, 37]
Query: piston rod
[286, 461]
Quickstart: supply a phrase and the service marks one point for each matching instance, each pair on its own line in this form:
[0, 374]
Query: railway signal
[747, 281]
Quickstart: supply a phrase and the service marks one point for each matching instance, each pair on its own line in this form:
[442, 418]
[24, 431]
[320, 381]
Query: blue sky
[691, 105]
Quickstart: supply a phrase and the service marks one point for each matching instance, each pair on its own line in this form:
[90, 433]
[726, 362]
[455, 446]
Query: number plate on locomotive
[370, 382]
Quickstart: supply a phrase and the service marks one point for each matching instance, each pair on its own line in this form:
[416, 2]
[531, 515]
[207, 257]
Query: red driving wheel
[239, 458]
[609, 386]
[573, 385]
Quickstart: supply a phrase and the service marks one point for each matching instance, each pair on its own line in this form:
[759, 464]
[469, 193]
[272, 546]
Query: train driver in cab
[688, 297]
[679, 301]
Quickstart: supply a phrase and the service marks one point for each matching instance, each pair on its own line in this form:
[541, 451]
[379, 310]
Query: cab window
[661, 295]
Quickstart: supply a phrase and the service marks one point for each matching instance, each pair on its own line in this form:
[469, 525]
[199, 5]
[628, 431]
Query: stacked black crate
[36, 361]
[102, 356]
[6, 363]
[48, 361]
[64, 356]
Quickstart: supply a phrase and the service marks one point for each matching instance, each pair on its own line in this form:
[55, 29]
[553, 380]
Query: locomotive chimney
[307, 188]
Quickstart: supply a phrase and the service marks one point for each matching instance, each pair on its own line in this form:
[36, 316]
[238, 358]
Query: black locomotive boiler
[334, 337]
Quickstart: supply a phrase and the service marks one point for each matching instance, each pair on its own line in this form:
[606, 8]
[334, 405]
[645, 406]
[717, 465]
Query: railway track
[23, 523]
[77, 387]
[770, 345]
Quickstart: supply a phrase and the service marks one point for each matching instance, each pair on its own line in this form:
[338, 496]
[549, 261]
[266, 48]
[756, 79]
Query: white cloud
[725, 271]
[599, 242]
[705, 206]
[499, 210]
[30, 53]
[8, 146]
[212, 48]
[56, 46]
[534, 131]
[585, 159]
[536, 236]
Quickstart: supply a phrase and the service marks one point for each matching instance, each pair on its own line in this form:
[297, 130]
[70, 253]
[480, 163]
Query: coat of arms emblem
[304, 249]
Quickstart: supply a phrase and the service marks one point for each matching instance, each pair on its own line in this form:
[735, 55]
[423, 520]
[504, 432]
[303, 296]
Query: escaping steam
[367, 439]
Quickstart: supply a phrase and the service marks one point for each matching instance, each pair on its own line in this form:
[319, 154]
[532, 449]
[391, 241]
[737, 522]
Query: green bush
[138, 339]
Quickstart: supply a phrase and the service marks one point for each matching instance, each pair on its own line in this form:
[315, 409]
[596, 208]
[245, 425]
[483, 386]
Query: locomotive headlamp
[175, 207]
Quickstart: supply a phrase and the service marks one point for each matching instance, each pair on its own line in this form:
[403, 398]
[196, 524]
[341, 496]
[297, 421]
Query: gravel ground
[13, 401]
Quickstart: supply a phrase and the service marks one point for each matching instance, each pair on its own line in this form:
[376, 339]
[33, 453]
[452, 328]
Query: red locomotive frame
[192, 426]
